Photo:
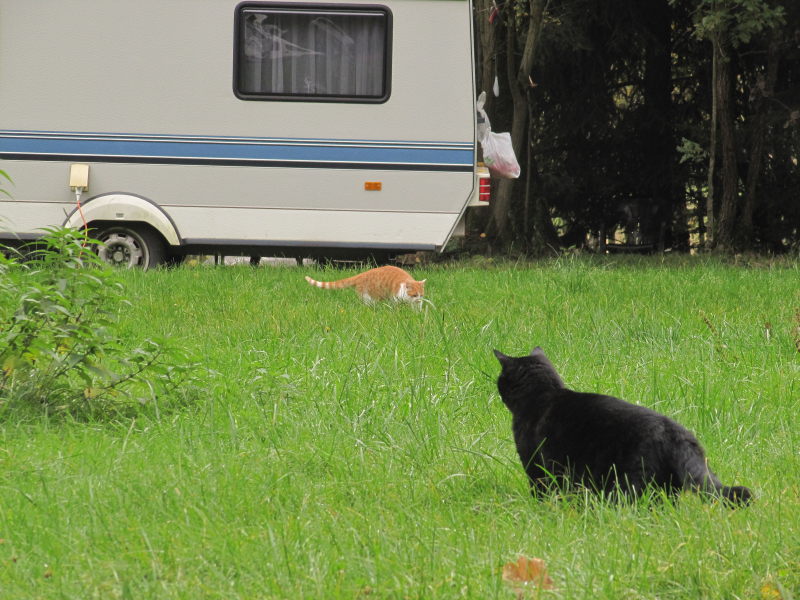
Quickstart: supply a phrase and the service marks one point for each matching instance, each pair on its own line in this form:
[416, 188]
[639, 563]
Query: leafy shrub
[4, 176]
[59, 349]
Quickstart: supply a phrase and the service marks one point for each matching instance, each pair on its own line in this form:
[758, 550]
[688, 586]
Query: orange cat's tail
[333, 285]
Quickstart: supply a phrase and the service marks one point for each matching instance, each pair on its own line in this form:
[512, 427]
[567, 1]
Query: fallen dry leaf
[770, 592]
[527, 572]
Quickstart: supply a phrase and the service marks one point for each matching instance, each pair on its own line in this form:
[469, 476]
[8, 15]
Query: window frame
[301, 7]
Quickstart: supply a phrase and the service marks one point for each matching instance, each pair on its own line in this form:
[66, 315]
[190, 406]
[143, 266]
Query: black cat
[599, 442]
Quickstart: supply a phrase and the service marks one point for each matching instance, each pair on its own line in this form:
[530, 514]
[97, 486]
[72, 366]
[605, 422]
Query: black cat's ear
[537, 351]
[501, 357]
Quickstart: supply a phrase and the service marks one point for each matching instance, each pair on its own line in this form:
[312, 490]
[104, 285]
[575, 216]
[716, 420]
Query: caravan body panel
[144, 94]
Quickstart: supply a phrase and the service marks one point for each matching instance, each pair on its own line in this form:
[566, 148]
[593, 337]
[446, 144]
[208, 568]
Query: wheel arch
[124, 209]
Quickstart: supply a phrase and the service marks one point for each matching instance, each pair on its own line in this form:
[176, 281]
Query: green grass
[345, 451]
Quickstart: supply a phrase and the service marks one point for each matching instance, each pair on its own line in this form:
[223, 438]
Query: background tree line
[670, 123]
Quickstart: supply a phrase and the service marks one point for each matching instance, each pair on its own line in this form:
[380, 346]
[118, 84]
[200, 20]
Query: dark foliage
[617, 145]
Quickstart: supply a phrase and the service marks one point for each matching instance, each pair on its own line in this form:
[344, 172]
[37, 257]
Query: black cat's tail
[737, 494]
[693, 472]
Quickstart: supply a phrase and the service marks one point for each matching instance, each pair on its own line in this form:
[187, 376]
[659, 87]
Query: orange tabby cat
[381, 283]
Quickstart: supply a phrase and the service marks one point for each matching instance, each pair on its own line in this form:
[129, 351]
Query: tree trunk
[711, 226]
[725, 227]
[542, 237]
[765, 89]
[518, 80]
[485, 51]
[486, 54]
[657, 218]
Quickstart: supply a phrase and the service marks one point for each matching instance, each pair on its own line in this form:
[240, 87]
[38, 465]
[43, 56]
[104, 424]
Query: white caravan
[221, 126]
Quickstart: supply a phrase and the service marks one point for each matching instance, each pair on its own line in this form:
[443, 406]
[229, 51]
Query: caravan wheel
[125, 246]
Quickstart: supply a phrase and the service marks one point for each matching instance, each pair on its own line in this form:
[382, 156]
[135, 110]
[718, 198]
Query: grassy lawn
[337, 450]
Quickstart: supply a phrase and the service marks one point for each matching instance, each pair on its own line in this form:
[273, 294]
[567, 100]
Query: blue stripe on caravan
[250, 151]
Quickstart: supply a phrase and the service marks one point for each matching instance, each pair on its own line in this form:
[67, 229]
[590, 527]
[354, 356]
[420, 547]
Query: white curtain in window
[313, 53]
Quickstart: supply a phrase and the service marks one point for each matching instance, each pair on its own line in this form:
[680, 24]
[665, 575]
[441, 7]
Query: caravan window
[312, 52]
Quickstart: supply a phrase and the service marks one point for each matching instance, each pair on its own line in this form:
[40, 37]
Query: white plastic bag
[498, 153]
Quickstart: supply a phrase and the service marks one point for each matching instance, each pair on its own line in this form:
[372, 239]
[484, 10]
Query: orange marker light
[372, 186]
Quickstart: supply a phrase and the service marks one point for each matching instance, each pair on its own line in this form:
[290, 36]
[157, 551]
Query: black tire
[173, 259]
[128, 247]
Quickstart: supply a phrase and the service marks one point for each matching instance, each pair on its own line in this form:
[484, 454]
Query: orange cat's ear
[424, 280]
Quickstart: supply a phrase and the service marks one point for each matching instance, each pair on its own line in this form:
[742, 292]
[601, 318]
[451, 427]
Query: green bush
[60, 349]
[4, 175]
